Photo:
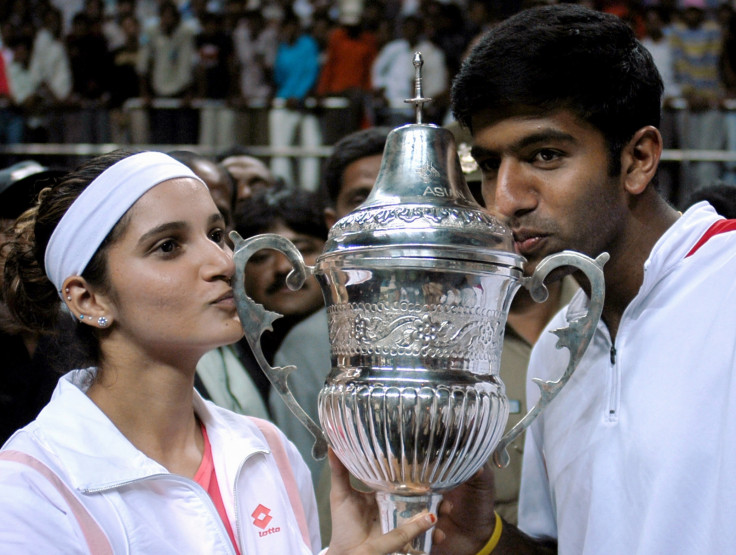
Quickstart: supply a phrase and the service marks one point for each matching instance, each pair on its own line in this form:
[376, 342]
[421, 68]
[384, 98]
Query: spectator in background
[125, 126]
[91, 66]
[21, 87]
[346, 71]
[166, 67]
[297, 215]
[656, 39]
[447, 28]
[393, 74]
[727, 70]
[295, 74]
[249, 174]
[51, 71]
[11, 120]
[256, 43]
[696, 47]
[256, 39]
[112, 27]
[215, 76]
[215, 176]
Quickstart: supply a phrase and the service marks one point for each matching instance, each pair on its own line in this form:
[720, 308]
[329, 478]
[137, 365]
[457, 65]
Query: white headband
[94, 213]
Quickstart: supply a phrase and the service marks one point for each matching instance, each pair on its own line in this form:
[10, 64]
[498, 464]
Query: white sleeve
[34, 518]
[536, 508]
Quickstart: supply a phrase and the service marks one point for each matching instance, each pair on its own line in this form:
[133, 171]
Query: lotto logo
[261, 516]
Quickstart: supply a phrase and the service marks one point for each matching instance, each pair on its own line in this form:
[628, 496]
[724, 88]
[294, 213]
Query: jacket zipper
[612, 412]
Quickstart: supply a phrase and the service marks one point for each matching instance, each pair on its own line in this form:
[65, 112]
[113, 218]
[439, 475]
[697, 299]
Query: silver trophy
[417, 283]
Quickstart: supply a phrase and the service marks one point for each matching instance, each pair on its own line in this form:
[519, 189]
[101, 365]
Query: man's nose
[281, 264]
[512, 193]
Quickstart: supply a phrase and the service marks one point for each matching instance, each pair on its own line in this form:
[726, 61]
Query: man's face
[250, 175]
[547, 177]
[358, 179]
[218, 182]
[266, 271]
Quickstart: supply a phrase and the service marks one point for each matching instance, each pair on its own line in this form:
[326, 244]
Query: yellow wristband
[493, 542]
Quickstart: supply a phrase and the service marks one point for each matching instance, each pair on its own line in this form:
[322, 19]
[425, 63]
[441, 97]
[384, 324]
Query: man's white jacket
[637, 454]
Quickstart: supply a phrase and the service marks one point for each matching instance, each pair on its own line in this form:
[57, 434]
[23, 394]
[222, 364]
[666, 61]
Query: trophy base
[396, 509]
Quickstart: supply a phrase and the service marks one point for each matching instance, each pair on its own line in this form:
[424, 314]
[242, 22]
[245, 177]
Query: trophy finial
[418, 99]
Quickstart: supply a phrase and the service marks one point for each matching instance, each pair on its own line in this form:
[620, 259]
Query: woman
[126, 457]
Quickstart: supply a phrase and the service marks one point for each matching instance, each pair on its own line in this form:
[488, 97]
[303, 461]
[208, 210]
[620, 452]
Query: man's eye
[259, 257]
[488, 165]
[547, 155]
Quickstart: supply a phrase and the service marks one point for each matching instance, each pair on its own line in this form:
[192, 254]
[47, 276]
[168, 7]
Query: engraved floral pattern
[402, 328]
[400, 217]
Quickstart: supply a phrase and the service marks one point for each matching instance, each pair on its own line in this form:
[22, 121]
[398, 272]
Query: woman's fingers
[340, 481]
[397, 538]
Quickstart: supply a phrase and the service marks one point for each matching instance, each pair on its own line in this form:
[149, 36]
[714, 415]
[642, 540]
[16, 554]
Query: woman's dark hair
[298, 209]
[563, 57]
[32, 299]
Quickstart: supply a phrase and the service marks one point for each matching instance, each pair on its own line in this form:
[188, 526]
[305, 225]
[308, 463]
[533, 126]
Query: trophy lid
[421, 206]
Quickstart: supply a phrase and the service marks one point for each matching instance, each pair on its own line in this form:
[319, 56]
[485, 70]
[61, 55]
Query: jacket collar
[667, 253]
[97, 456]
[676, 242]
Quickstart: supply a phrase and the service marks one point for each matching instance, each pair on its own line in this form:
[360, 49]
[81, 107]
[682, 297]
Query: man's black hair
[352, 147]
[563, 57]
[298, 209]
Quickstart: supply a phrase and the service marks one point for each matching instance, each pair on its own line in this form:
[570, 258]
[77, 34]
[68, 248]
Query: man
[295, 214]
[248, 172]
[392, 74]
[295, 74]
[563, 104]
[166, 70]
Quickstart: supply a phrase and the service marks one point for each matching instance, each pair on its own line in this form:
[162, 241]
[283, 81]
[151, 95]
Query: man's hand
[466, 516]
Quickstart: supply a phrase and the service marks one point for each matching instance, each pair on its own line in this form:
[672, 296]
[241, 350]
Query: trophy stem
[396, 509]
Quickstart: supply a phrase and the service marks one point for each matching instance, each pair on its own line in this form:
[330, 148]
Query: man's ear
[87, 306]
[640, 159]
[330, 217]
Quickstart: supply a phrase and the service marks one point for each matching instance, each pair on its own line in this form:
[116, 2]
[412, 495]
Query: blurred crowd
[188, 72]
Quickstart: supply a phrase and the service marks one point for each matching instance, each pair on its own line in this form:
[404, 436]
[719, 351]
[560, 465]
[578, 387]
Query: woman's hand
[356, 527]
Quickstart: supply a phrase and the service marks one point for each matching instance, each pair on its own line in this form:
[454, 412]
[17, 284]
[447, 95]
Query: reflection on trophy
[417, 282]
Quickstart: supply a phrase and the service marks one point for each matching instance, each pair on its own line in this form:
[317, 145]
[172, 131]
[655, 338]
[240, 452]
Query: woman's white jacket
[142, 507]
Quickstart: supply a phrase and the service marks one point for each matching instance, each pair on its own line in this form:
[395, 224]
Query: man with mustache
[633, 455]
[297, 215]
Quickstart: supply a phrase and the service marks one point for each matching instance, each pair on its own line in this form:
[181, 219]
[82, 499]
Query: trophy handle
[576, 336]
[256, 319]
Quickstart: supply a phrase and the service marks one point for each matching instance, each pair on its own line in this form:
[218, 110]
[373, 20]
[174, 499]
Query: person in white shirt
[393, 73]
[563, 103]
[126, 457]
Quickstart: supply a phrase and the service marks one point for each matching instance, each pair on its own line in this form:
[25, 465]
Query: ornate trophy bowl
[418, 283]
